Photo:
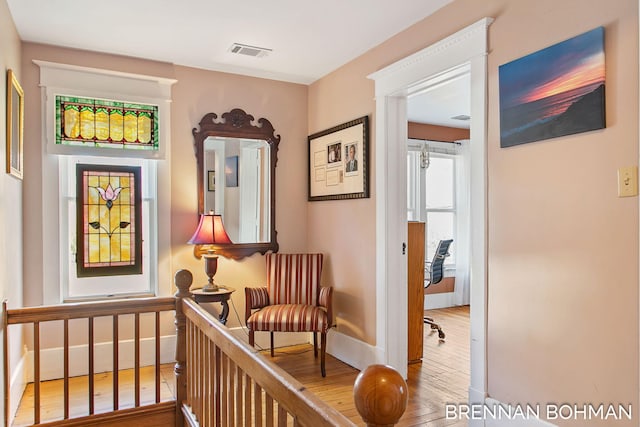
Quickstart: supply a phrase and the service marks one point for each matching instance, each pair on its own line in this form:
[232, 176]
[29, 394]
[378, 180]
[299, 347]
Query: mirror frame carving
[237, 124]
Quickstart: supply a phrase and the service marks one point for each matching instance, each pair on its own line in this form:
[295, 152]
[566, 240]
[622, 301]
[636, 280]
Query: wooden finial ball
[183, 279]
[381, 395]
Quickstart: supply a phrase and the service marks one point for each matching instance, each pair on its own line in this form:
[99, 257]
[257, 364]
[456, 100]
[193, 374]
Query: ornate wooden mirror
[237, 179]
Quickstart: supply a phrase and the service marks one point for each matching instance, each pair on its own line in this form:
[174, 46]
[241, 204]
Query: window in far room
[431, 197]
[440, 204]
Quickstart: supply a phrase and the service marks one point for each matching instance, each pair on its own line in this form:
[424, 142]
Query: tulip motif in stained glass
[109, 213]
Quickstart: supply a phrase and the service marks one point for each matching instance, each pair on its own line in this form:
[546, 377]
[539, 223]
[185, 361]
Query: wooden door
[415, 269]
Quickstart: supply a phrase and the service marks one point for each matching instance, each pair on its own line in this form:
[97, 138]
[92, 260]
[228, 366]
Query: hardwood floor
[442, 377]
[52, 403]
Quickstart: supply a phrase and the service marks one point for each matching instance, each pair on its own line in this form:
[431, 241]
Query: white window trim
[418, 196]
[91, 82]
[71, 80]
[149, 232]
[448, 264]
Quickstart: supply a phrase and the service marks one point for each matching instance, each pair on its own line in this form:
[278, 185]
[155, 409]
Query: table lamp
[210, 231]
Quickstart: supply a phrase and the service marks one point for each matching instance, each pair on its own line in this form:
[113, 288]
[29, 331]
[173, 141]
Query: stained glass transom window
[109, 235]
[101, 123]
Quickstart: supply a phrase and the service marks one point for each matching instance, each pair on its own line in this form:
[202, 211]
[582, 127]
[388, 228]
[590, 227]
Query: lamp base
[210, 267]
[210, 287]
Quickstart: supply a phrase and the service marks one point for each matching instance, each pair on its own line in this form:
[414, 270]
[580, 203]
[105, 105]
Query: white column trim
[466, 48]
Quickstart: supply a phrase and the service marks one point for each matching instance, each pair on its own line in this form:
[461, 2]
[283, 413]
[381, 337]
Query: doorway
[393, 84]
[438, 178]
[438, 182]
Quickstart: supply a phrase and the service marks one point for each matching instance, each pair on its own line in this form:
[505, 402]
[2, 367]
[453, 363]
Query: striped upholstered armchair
[292, 301]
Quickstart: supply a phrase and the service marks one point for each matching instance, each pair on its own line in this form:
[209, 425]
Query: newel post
[381, 395]
[182, 279]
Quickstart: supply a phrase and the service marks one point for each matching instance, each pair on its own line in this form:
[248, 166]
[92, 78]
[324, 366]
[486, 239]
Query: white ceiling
[437, 104]
[309, 38]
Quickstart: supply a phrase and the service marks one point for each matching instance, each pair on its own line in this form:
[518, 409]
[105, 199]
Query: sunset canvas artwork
[556, 91]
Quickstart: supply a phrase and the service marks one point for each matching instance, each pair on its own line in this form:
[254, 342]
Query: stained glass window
[101, 123]
[109, 234]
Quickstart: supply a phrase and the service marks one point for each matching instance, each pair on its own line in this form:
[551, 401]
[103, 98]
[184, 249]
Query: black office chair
[434, 273]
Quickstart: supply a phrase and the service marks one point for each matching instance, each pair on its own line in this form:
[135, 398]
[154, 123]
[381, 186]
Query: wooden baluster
[231, 393]
[157, 342]
[190, 365]
[136, 344]
[247, 400]
[282, 416]
[91, 367]
[203, 373]
[239, 402]
[268, 401]
[66, 369]
[209, 375]
[224, 389]
[183, 280]
[199, 379]
[217, 393]
[116, 377]
[36, 373]
[258, 404]
[380, 395]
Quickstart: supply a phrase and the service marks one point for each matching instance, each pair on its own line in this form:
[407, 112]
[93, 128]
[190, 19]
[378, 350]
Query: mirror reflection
[237, 183]
[236, 159]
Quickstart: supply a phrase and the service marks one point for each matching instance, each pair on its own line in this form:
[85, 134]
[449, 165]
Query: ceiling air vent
[243, 49]
[462, 117]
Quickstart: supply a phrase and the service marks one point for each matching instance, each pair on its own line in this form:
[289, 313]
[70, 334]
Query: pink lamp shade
[210, 231]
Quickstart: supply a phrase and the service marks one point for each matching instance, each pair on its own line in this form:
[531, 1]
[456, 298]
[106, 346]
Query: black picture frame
[334, 171]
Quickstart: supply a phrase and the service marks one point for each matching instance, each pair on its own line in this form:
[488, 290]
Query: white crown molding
[469, 42]
[78, 68]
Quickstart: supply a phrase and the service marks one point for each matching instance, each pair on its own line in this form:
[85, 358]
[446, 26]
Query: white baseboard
[352, 351]
[442, 300]
[476, 396]
[517, 422]
[349, 350]
[482, 411]
[52, 359]
[17, 386]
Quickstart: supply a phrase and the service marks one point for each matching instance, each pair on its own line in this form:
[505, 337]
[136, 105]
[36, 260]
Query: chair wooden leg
[429, 321]
[251, 338]
[315, 345]
[271, 343]
[323, 349]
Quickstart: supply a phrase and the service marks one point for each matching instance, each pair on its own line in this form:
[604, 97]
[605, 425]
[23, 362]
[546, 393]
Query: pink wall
[11, 278]
[562, 248]
[285, 105]
[196, 93]
[345, 229]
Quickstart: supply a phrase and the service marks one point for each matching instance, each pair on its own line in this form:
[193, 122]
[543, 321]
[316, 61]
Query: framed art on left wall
[15, 125]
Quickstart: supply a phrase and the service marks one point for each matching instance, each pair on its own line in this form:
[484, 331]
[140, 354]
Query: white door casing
[466, 48]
